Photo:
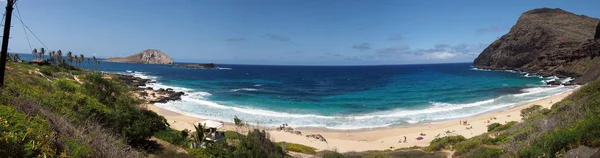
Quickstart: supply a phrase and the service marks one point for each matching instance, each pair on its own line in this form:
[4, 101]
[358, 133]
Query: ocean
[341, 97]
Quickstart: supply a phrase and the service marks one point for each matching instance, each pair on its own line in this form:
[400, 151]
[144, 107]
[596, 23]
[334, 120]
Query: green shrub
[257, 144]
[22, 135]
[175, 137]
[238, 121]
[298, 148]
[331, 154]
[76, 149]
[466, 146]
[444, 143]
[483, 152]
[66, 85]
[504, 126]
[525, 113]
[492, 126]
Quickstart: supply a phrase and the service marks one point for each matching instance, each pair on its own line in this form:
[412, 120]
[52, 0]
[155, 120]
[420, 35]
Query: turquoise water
[341, 97]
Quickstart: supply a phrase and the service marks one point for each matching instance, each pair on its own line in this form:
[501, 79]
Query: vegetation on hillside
[570, 123]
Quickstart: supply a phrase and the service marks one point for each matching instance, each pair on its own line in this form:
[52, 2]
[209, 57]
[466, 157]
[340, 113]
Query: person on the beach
[404, 139]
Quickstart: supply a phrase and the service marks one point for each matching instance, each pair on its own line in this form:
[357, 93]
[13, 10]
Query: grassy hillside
[570, 123]
[62, 111]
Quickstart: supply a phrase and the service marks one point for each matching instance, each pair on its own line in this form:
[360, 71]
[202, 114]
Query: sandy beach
[378, 138]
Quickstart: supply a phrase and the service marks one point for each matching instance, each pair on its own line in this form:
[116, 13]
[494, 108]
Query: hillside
[547, 42]
[149, 56]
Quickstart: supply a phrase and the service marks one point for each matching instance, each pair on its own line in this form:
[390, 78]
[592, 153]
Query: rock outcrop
[548, 42]
[149, 56]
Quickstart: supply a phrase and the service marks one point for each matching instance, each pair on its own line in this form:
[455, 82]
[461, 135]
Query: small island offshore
[56, 104]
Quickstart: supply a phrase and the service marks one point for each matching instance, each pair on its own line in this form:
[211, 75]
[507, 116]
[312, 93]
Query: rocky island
[148, 56]
[548, 42]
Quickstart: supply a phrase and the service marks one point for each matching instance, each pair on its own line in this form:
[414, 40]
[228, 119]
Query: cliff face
[149, 56]
[547, 42]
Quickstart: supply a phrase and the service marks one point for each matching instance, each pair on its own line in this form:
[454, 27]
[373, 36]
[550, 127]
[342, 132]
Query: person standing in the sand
[404, 139]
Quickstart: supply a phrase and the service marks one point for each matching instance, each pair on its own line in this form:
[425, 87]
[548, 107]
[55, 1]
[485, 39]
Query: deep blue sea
[341, 97]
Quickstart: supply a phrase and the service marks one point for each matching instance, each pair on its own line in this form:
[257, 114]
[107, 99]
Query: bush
[238, 121]
[492, 126]
[466, 146]
[257, 144]
[298, 148]
[503, 127]
[527, 112]
[483, 152]
[22, 135]
[175, 137]
[444, 143]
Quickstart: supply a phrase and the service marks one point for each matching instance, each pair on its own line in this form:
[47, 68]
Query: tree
[70, 57]
[16, 57]
[34, 52]
[95, 62]
[75, 58]
[42, 52]
[81, 58]
[59, 55]
[199, 136]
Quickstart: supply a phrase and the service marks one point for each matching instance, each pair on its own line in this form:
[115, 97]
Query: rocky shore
[147, 93]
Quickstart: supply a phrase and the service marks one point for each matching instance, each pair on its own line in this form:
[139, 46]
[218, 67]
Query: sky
[277, 32]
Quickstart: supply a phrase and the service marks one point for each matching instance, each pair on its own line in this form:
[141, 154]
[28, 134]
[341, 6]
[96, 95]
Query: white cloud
[440, 55]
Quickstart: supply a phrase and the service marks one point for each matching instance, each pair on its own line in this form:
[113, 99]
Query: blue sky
[316, 32]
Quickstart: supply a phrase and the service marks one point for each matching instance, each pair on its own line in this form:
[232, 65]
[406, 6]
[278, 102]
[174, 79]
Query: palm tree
[42, 52]
[59, 55]
[34, 52]
[95, 62]
[70, 57]
[76, 60]
[199, 137]
[17, 57]
[81, 59]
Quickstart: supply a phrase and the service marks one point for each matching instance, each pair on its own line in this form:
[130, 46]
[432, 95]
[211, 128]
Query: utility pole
[5, 37]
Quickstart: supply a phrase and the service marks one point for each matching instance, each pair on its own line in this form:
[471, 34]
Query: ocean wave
[243, 89]
[197, 104]
[511, 71]
[437, 111]
[223, 68]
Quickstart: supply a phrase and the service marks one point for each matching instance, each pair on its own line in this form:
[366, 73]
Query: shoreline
[380, 138]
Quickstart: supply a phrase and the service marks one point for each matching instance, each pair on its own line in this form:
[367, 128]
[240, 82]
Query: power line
[23, 24]
[36, 37]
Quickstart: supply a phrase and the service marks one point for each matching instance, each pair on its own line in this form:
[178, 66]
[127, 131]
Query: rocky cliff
[149, 56]
[548, 42]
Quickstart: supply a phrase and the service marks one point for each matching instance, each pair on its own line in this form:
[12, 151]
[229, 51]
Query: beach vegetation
[22, 135]
[493, 126]
[298, 148]
[525, 113]
[238, 122]
[447, 143]
[175, 137]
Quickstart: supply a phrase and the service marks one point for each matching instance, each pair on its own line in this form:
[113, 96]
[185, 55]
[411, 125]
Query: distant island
[195, 66]
[148, 56]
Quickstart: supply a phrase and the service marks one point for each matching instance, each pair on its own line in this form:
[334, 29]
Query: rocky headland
[147, 93]
[548, 42]
[149, 56]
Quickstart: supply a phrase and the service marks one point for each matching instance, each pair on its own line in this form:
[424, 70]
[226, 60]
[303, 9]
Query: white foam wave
[223, 68]
[196, 104]
[243, 89]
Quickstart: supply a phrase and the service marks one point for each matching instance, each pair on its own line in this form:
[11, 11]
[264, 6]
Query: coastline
[376, 138]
